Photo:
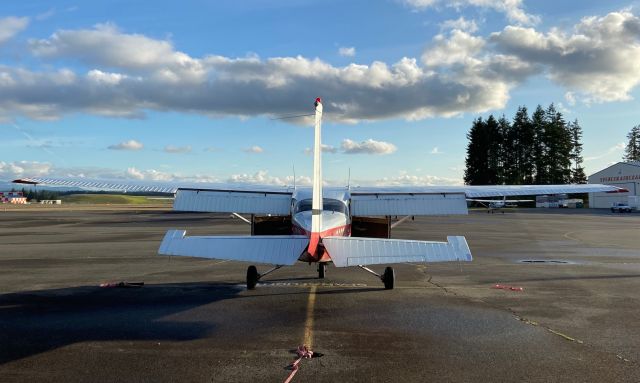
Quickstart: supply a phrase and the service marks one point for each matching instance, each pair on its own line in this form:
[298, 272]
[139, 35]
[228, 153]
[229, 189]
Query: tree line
[541, 149]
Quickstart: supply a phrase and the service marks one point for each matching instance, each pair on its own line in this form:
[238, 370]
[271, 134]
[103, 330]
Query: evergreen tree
[539, 148]
[524, 139]
[494, 151]
[507, 168]
[558, 142]
[632, 150]
[476, 161]
[577, 172]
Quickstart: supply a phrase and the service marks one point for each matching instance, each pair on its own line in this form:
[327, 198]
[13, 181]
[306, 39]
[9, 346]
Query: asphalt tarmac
[576, 319]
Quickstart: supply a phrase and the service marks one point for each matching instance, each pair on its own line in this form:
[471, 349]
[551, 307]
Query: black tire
[389, 278]
[252, 277]
[322, 268]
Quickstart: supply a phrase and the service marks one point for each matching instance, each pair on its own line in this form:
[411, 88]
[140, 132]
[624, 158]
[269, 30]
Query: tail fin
[316, 204]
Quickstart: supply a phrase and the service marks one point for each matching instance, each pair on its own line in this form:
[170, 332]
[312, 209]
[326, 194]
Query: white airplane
[494, 205]
[344, 226]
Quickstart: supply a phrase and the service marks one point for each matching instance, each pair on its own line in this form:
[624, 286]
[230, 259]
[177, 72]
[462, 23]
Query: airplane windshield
[328, 204]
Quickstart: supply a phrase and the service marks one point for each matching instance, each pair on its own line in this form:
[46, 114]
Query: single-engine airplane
[344, 226]
[494, 205]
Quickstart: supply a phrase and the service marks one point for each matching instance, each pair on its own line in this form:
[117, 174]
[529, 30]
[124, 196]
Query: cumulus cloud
[324, 148]
[513, 9]
[406, 179]
[127, 145]
[132, 72]
[435, 150]
[177, 149]
[347, 51]
[11, 26]
[18, 169]
[461, 24]
[369, 146]
[253, 149]
[600, 58]
[262, 177]
[457, 73]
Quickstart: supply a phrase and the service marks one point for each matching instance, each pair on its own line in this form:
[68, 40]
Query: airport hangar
[623, 174]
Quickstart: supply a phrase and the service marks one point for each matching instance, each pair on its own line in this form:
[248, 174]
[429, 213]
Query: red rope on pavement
[506, 287]
[303, 353]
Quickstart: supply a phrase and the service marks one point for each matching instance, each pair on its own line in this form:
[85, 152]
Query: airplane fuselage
[335, 219]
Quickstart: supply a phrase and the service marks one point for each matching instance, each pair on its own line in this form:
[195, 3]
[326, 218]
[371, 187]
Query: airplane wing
[500, 200]
[197, 197]
[354, 251]
[446, 200]
[273, 249]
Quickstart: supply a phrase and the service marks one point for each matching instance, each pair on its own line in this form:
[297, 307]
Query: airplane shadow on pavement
[33, 322]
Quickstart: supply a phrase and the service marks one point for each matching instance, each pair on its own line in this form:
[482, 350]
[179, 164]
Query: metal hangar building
[623, 174]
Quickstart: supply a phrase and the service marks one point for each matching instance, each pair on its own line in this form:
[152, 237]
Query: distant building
[623, 174]
[13, 197]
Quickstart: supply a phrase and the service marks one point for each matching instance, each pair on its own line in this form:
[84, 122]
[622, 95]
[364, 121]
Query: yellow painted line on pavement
[308, 324]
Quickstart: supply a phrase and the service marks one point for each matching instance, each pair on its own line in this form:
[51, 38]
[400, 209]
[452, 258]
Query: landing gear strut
[322, 269]
[253, 277]
[388, 277]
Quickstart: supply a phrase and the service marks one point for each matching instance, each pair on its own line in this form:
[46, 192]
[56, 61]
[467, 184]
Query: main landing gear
[253, 276]
[322, 269]
[388, 277]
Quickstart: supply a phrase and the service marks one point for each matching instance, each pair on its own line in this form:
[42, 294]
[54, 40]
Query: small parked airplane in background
[344, 226]
[494, 205]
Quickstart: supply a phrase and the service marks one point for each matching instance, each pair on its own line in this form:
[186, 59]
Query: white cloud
[177, 149]
[458, 73]
[127, 145]
[253, 149]
[347, 51]
[435, 150]
[461, 24]
[571, 98]
[262, 177]
[131, 73]
[18, 169]
[405, 179]
[600, 58]
[617, 148]
[513, 9]
[325, 149]
[369, 146]
[11, 26]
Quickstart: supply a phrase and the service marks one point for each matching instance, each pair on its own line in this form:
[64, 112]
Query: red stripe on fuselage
[315, 254]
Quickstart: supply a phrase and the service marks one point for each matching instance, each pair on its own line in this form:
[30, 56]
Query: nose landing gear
[322, 269]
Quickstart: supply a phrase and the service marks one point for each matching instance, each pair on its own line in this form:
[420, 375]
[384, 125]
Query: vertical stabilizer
[316, 205]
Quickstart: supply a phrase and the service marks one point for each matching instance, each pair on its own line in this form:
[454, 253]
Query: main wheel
[322, 268]
[252, 277]
[388, 278]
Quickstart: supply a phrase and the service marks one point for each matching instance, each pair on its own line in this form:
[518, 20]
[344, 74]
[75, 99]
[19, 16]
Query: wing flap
[276, 249]
[231, 201]
[354, 251]
[408, 204]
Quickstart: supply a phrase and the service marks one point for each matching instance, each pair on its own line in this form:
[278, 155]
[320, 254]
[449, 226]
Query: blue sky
[187, 90]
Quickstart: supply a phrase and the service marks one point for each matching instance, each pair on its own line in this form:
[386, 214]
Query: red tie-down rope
[303, 353]
[507, 287]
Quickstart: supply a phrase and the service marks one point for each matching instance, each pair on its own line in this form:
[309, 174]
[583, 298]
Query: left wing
[201, 197]
[355, 251]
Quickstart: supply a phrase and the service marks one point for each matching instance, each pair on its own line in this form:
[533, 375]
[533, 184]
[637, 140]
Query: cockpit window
[328, 204]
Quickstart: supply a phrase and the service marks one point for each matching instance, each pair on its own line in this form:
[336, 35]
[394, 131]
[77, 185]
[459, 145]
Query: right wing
[274, 249]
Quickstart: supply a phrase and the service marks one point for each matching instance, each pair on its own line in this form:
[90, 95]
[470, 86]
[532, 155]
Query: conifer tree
[632, 150]
[577, 171]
